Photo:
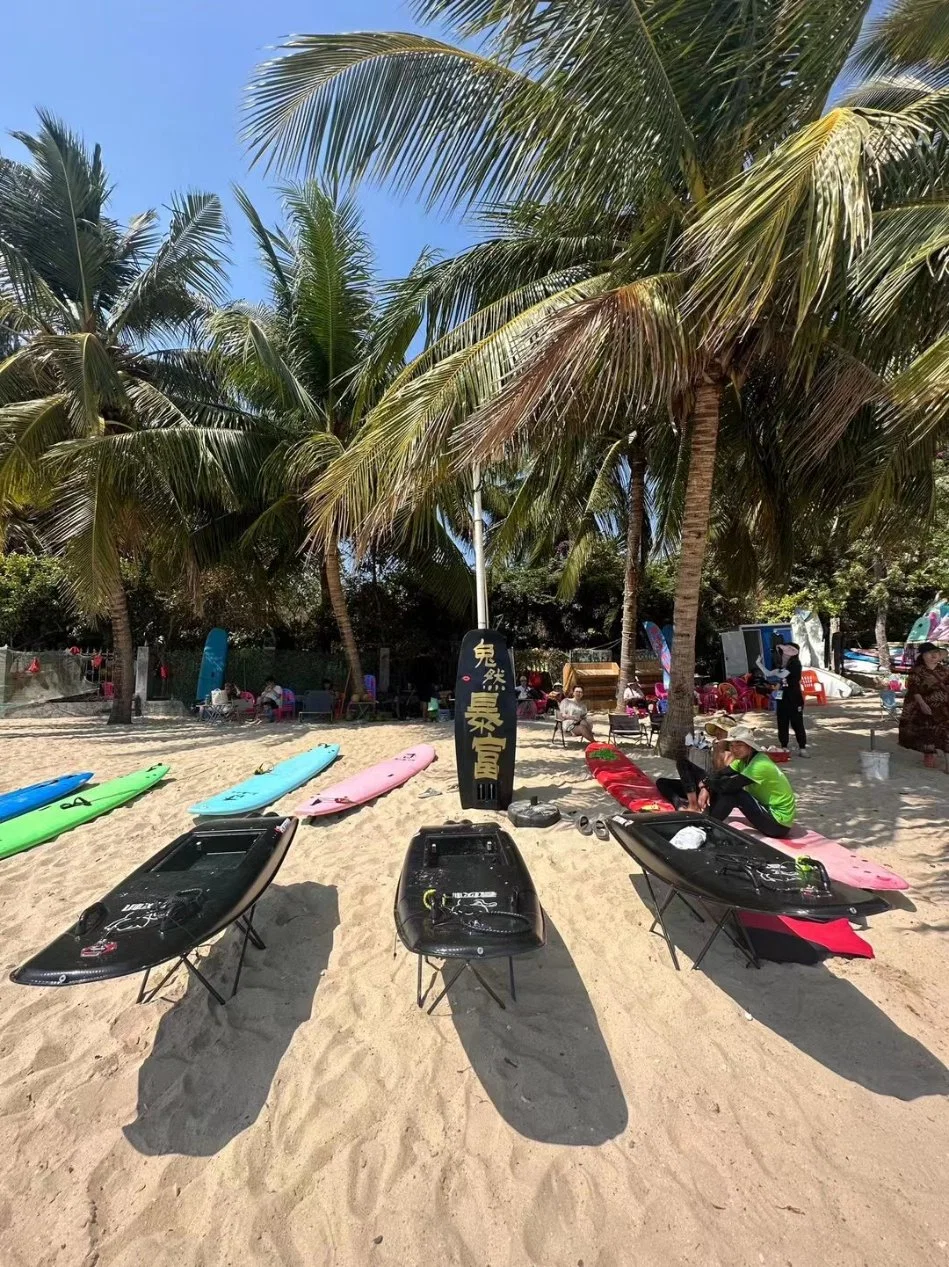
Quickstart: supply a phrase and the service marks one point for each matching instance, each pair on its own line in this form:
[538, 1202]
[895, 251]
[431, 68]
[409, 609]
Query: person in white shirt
[574, 713]
[269, 699]
[634, 696]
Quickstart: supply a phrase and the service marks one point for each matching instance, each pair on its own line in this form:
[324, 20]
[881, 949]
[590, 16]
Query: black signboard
[485, 722]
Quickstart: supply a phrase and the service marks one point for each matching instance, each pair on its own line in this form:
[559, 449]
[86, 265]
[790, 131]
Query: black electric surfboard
[187, 892]
[485, 722]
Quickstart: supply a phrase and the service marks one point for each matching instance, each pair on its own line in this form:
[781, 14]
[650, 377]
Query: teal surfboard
[213, 664]
[263, 789]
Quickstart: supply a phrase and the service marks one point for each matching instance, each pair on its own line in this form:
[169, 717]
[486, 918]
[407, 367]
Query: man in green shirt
[752, 784]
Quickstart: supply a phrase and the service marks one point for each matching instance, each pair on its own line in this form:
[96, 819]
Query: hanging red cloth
[97, 661]
[34, 665]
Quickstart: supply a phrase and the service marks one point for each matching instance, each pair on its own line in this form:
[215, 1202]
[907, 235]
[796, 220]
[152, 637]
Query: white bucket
[875, 766]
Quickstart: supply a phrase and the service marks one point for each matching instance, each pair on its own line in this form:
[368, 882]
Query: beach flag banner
[933, 625]
[660, 648]
[485, 722]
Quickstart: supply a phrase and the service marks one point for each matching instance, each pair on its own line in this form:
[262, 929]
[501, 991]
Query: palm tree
[307, 365]
[653, 111]
[111, 427]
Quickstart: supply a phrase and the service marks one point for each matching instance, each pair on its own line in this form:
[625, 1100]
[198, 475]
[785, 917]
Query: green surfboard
[44, 824]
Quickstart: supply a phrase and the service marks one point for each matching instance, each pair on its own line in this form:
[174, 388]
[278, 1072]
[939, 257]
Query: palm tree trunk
[334, 586]
[882, 611]
[695, 518]
[123, 666]
[634, 534]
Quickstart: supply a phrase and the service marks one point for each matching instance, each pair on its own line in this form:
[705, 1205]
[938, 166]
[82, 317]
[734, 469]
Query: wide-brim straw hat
[716, 721]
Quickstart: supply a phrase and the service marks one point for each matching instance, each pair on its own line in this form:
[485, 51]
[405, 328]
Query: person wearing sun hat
[750, 783]
[707, 748]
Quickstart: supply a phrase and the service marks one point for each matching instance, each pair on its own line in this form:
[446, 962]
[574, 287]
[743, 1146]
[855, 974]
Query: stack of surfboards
[65, 803]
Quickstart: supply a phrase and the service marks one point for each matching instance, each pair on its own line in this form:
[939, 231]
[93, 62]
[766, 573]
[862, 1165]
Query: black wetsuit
[727, 792]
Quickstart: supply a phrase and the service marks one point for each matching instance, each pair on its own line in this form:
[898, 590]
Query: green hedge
[247, 668]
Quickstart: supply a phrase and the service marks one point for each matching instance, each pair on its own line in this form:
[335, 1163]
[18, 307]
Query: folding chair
[558, 729]
[318, 704]
[623, 725]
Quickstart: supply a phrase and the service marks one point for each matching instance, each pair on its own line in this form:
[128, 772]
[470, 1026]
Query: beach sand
[618, 1114]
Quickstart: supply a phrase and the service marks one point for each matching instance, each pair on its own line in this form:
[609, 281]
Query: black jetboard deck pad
[725, 871]
[485, 722]
[465, 893]
[187, 892]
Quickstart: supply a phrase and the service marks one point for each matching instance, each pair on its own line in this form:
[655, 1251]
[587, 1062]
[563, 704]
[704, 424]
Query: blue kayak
[263, 789]
[12, 804]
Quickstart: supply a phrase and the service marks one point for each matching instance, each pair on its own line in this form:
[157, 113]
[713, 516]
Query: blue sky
[158, 83]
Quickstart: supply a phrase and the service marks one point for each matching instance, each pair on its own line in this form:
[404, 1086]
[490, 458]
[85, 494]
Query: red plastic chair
[708, 698]
[812, 686]
[288, 706]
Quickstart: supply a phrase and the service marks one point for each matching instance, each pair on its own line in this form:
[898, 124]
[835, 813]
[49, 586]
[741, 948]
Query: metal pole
[481, 580]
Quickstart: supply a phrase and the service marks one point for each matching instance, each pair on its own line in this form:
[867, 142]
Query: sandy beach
[619, 1113]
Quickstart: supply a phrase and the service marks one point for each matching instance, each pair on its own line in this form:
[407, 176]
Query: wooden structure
[599, 682]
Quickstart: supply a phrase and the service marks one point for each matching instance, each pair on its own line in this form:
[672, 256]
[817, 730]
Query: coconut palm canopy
[306, 365]
[698, 135]
[111, 424]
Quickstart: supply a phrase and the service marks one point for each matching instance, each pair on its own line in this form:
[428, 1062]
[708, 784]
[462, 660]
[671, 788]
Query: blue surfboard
[263, 789]
[213, 664]
[37, 795]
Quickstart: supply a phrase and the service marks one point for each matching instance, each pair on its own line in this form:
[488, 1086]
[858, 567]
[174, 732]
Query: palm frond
[626, 348]
[910, 33]
[69, 184]
[805, 206]
[189, 264]
[460, 127]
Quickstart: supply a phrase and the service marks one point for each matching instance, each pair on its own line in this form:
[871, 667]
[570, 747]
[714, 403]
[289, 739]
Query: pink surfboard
[368, 784]
[839, 862]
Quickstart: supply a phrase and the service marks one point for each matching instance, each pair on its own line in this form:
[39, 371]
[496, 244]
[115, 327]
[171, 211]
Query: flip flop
[429, 791]
[583, 825]
[601, 829]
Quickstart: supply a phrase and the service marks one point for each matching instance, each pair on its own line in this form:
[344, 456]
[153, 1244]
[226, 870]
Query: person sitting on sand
[742, 778]
[269, 699]
[574, 713]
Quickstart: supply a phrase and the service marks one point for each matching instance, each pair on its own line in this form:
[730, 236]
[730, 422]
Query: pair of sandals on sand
[586, 825]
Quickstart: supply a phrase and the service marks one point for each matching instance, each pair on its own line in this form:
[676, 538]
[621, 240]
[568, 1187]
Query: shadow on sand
[821, 1014]
[543, 1061]
[210, 1069]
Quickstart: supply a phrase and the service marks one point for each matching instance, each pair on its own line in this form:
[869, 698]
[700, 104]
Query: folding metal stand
[465, 963]
[246, 924]
[739, 938]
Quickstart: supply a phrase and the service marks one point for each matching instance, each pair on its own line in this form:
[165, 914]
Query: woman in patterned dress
[924, 724]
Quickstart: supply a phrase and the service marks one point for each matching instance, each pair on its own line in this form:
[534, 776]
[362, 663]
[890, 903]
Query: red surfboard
[624, 781]
[629, 785]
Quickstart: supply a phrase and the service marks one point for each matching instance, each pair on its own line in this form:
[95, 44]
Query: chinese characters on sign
[483, 717]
